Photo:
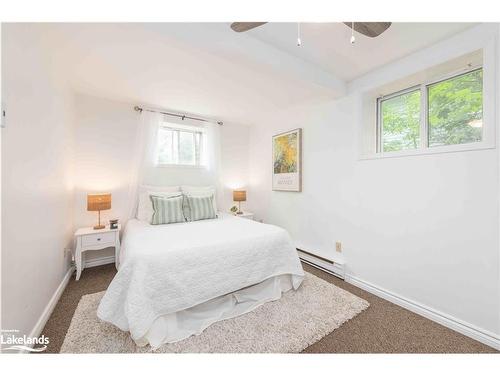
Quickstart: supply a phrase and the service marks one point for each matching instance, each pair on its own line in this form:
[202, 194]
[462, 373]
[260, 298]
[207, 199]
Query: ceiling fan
[370, 29]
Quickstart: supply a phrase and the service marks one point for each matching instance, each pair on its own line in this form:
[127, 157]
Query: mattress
[175, 280]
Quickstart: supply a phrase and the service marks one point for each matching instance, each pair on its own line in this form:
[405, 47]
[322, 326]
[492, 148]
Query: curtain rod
[140, 109]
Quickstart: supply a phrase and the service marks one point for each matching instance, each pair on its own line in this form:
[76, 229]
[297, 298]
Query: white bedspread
[169, 268]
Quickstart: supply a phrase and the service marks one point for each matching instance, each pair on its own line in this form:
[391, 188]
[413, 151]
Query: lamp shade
[239, 195]
[98, 202]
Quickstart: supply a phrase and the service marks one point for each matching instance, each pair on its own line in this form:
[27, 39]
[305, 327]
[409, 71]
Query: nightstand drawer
[98, 239]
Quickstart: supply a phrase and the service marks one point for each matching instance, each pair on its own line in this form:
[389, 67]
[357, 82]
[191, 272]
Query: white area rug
[289, 325]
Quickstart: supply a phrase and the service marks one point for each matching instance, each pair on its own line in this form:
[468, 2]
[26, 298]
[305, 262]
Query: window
[447, 112]
[400, 115]
[455, 113]
[180, 145]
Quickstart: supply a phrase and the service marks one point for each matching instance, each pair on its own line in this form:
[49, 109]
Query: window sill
[429, 151]
[180, 166]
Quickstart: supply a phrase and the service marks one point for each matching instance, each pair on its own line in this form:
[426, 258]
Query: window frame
[186, 129]
[424, 118]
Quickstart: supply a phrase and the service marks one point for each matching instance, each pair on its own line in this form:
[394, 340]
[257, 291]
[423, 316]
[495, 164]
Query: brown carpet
[289, 325]
[382, 328]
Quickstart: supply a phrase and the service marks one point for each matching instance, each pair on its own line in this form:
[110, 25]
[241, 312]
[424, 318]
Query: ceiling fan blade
[245, 26]
[370, 29]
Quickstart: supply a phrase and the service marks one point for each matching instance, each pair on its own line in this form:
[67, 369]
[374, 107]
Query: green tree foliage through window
[454, 114]
[179, 146]
[456, 110]
[401, 122]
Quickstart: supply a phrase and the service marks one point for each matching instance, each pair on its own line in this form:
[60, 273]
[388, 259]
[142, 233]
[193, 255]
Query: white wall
[37, 187]
[104, 144]
[104, 151]
[422, 227]
[234, 160]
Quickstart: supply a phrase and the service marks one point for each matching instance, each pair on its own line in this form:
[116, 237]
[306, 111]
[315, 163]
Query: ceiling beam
[220, 40]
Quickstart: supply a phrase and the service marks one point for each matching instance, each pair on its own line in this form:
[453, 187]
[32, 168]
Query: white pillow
[145, 207]
[200, 191]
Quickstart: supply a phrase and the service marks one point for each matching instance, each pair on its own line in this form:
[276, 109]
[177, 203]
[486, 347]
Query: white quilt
[169, 268]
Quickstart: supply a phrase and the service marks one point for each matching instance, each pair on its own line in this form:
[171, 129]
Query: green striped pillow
[200, 208]
[167, 210]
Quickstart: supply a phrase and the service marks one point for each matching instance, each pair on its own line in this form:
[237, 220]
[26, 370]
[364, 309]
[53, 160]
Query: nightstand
[246, 215]
[95, 239]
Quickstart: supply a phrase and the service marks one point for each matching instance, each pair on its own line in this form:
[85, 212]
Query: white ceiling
[207, 69]
[327, 44]
[189, 68]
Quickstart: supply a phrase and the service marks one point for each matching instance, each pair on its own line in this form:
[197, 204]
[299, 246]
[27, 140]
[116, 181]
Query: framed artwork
[287, 161]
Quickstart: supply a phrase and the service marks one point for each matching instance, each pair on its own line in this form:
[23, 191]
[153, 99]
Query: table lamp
[239, 196]
[98, 202]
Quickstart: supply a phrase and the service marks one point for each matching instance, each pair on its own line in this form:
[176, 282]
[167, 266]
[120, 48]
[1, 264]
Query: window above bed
[180, 145]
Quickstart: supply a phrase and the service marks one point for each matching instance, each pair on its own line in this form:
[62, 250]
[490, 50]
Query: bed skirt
[182, 324]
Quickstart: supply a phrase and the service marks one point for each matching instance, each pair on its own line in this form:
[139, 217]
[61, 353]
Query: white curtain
[214, 160]
[144, 170]
[144, 154]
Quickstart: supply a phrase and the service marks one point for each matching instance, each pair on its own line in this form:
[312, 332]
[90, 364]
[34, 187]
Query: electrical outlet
[338, 247]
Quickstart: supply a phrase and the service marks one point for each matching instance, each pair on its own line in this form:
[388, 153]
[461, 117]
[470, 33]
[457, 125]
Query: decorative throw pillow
[144, 206]
[167, 210]
[200, 208]
[200, 191]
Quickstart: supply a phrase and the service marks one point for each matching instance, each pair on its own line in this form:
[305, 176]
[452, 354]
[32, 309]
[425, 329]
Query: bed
[175, 280]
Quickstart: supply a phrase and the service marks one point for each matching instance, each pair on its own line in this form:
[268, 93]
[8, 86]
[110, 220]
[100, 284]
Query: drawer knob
[98, 239]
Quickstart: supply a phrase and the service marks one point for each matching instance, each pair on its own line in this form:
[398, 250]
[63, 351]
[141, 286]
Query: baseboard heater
[324, 264]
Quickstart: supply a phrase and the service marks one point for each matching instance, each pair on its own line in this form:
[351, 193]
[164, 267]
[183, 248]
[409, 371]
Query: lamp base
[99, 225]
[239, 209]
